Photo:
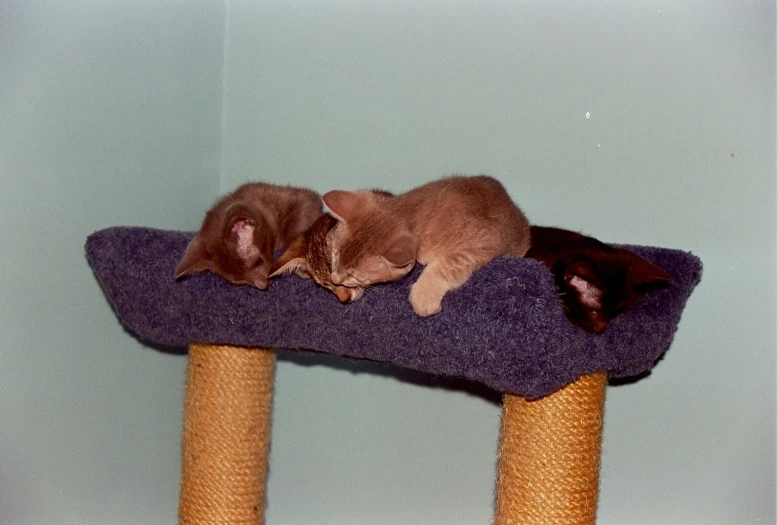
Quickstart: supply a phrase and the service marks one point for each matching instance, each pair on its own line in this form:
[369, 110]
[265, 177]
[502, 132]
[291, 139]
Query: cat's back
[294, 209]
[561, 249]
[474, 188]
[474, 210]
[275, 196]
[550, 242]
[479, 197]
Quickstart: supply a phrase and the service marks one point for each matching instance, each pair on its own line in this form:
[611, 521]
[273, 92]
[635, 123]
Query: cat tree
[504, 328]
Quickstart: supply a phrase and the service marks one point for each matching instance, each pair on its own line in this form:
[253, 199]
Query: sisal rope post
[549, 460]
[226, 436]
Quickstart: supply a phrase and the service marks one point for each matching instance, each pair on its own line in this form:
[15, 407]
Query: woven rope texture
[549, 458]
[226, 436]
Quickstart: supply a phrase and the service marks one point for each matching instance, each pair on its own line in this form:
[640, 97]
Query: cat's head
[369, 244]
[309, 256]
[597, 287]
[235, 243]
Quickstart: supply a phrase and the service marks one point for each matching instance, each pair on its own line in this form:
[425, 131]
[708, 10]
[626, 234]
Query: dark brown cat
[242, 230]
[452, 226]
[310, 256]
[596, 281]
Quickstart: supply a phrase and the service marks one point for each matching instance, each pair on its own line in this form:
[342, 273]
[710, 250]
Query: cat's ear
[348, 206]
[240, 223]
[292, 260]
[401, 250]
[642, 272]
[195, 259]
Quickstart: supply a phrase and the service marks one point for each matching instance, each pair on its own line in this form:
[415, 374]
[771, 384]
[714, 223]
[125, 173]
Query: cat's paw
[425, 302]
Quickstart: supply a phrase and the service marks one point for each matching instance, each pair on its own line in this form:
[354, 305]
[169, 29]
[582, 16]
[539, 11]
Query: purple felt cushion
[504, 328]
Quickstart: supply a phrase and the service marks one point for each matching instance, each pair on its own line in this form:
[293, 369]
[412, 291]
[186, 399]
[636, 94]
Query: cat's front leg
[438, 278]
[427, 292]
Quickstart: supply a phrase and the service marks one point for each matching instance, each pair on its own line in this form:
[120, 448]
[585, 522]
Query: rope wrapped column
[549, 460]
[226, 436]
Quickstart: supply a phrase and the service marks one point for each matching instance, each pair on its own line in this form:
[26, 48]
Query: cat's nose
[343, 293]
[599, 325]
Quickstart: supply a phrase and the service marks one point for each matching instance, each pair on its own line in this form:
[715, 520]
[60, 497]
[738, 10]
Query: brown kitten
[452, 226]
[310, 256]
[242, 230]
[596, 281]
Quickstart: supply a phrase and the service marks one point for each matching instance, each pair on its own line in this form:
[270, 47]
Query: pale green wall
[109, 114]
[125, 113]
[679, 151]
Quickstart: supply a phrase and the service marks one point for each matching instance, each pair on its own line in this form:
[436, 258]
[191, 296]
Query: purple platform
[504, 328]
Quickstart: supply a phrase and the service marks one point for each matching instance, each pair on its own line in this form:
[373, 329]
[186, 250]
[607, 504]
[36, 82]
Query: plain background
[638, 122]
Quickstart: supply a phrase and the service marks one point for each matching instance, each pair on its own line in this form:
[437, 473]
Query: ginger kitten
[452, 226]
[310, 256]
[242, 230]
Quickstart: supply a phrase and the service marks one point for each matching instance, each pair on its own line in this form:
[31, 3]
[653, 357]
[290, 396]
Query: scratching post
[226, 437]
[549, 459]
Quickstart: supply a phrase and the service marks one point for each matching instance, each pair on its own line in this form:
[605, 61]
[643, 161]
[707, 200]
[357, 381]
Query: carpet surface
[504, 328]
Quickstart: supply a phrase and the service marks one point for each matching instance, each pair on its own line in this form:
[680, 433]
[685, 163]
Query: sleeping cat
[452, 226]
[310, 256]
[242, 230]
[596, 281]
